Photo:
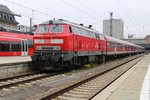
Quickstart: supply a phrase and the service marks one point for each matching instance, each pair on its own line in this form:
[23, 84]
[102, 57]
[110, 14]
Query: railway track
[57, 86]
[22, 79]
[88, 88]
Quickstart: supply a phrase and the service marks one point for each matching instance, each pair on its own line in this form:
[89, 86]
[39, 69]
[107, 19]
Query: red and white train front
[52, 43]
[62, 42]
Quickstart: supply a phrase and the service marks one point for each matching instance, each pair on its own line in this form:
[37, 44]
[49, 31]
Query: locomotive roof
[61, 21]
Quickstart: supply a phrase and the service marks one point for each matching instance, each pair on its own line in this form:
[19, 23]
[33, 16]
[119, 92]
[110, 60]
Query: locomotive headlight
[48, 48]
[39, 41]
[57, 41]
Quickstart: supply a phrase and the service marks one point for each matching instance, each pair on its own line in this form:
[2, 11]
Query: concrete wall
[8, 25]
[12, 70]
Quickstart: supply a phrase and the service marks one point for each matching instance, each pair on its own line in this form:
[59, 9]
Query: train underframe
[57, 60]
[67, 60]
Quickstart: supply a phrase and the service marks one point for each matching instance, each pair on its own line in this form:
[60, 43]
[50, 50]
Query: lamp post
[111, 14]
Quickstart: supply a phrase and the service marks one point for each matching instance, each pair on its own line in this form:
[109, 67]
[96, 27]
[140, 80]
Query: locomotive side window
[82, 32]
[56, 28]
[75, 30]
[4, 46]
[70, 29]
[88, 33]
[42, 29]
[102, 37]
[97, 36]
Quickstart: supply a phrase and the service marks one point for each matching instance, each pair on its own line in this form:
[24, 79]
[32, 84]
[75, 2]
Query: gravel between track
[40, 88]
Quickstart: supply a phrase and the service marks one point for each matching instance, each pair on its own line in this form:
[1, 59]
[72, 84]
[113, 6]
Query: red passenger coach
[117, 47]
[15, 44]
[63, 43]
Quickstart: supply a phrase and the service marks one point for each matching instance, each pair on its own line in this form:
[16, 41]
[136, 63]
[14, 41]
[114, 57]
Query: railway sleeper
[75, 95]
[79, 92]
[68, 98]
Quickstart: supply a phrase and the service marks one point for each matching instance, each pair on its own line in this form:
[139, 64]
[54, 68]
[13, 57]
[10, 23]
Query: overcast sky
[135, 13]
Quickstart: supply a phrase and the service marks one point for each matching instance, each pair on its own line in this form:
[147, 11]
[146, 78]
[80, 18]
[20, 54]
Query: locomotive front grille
[48, 48]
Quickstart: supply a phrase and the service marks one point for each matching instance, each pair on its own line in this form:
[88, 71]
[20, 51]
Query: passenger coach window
[4, 46]
[56, 28]
[16, 46]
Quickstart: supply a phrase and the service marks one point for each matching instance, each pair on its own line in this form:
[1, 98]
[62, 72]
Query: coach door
[24, 47]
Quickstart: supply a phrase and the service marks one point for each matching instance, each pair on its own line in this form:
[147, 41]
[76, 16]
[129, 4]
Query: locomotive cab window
[56, 28]
[42, 29]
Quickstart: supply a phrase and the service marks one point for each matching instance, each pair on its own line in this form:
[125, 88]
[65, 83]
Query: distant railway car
[13, 44]
[63, 43]
[116, 46]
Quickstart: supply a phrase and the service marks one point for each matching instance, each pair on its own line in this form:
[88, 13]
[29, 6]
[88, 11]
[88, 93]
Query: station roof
[5, 9]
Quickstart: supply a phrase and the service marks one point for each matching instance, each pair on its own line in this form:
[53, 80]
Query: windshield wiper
[55, 26]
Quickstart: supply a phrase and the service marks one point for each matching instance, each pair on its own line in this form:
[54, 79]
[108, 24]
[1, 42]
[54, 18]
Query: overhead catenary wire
[41, 12]
[121, 6]
[17, 4]
[83, 12]
[86, 7]
[130, 11]
[133, 22]
[49, 9]
[133, 17]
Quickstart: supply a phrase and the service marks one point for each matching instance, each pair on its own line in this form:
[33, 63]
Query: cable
[30, 17]
[130, 18]
[125, 12]
[72, 6]
[85, 6]
[131, 12]
[43, 6]
[28, 8]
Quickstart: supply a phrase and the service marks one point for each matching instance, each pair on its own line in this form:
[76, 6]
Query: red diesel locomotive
[15, 44]
[63, 43]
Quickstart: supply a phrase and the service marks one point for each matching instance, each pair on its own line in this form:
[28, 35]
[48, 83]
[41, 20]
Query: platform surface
[14, 59]
[133, 85]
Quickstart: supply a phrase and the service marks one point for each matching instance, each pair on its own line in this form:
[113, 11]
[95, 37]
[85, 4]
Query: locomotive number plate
[50, 48]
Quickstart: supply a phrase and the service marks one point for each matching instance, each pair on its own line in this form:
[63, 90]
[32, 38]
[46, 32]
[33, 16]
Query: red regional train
[15, 44]
[63, 43]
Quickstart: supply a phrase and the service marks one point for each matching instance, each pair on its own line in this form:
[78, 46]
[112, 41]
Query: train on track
[15, 44]
[63, 43]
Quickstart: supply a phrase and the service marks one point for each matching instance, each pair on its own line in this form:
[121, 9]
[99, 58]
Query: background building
[23, 28]
[7, 19]
[117, 28]
[130, 36]
[145, 42]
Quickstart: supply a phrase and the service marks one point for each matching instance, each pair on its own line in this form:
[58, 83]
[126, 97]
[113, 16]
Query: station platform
[133, 85]
[14, 59]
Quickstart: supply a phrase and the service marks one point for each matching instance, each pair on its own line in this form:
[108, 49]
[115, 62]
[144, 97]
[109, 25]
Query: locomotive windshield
[56, 28]
[53, 29]
[42, 29]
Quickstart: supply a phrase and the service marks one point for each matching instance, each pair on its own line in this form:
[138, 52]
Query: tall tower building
[114, 28]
